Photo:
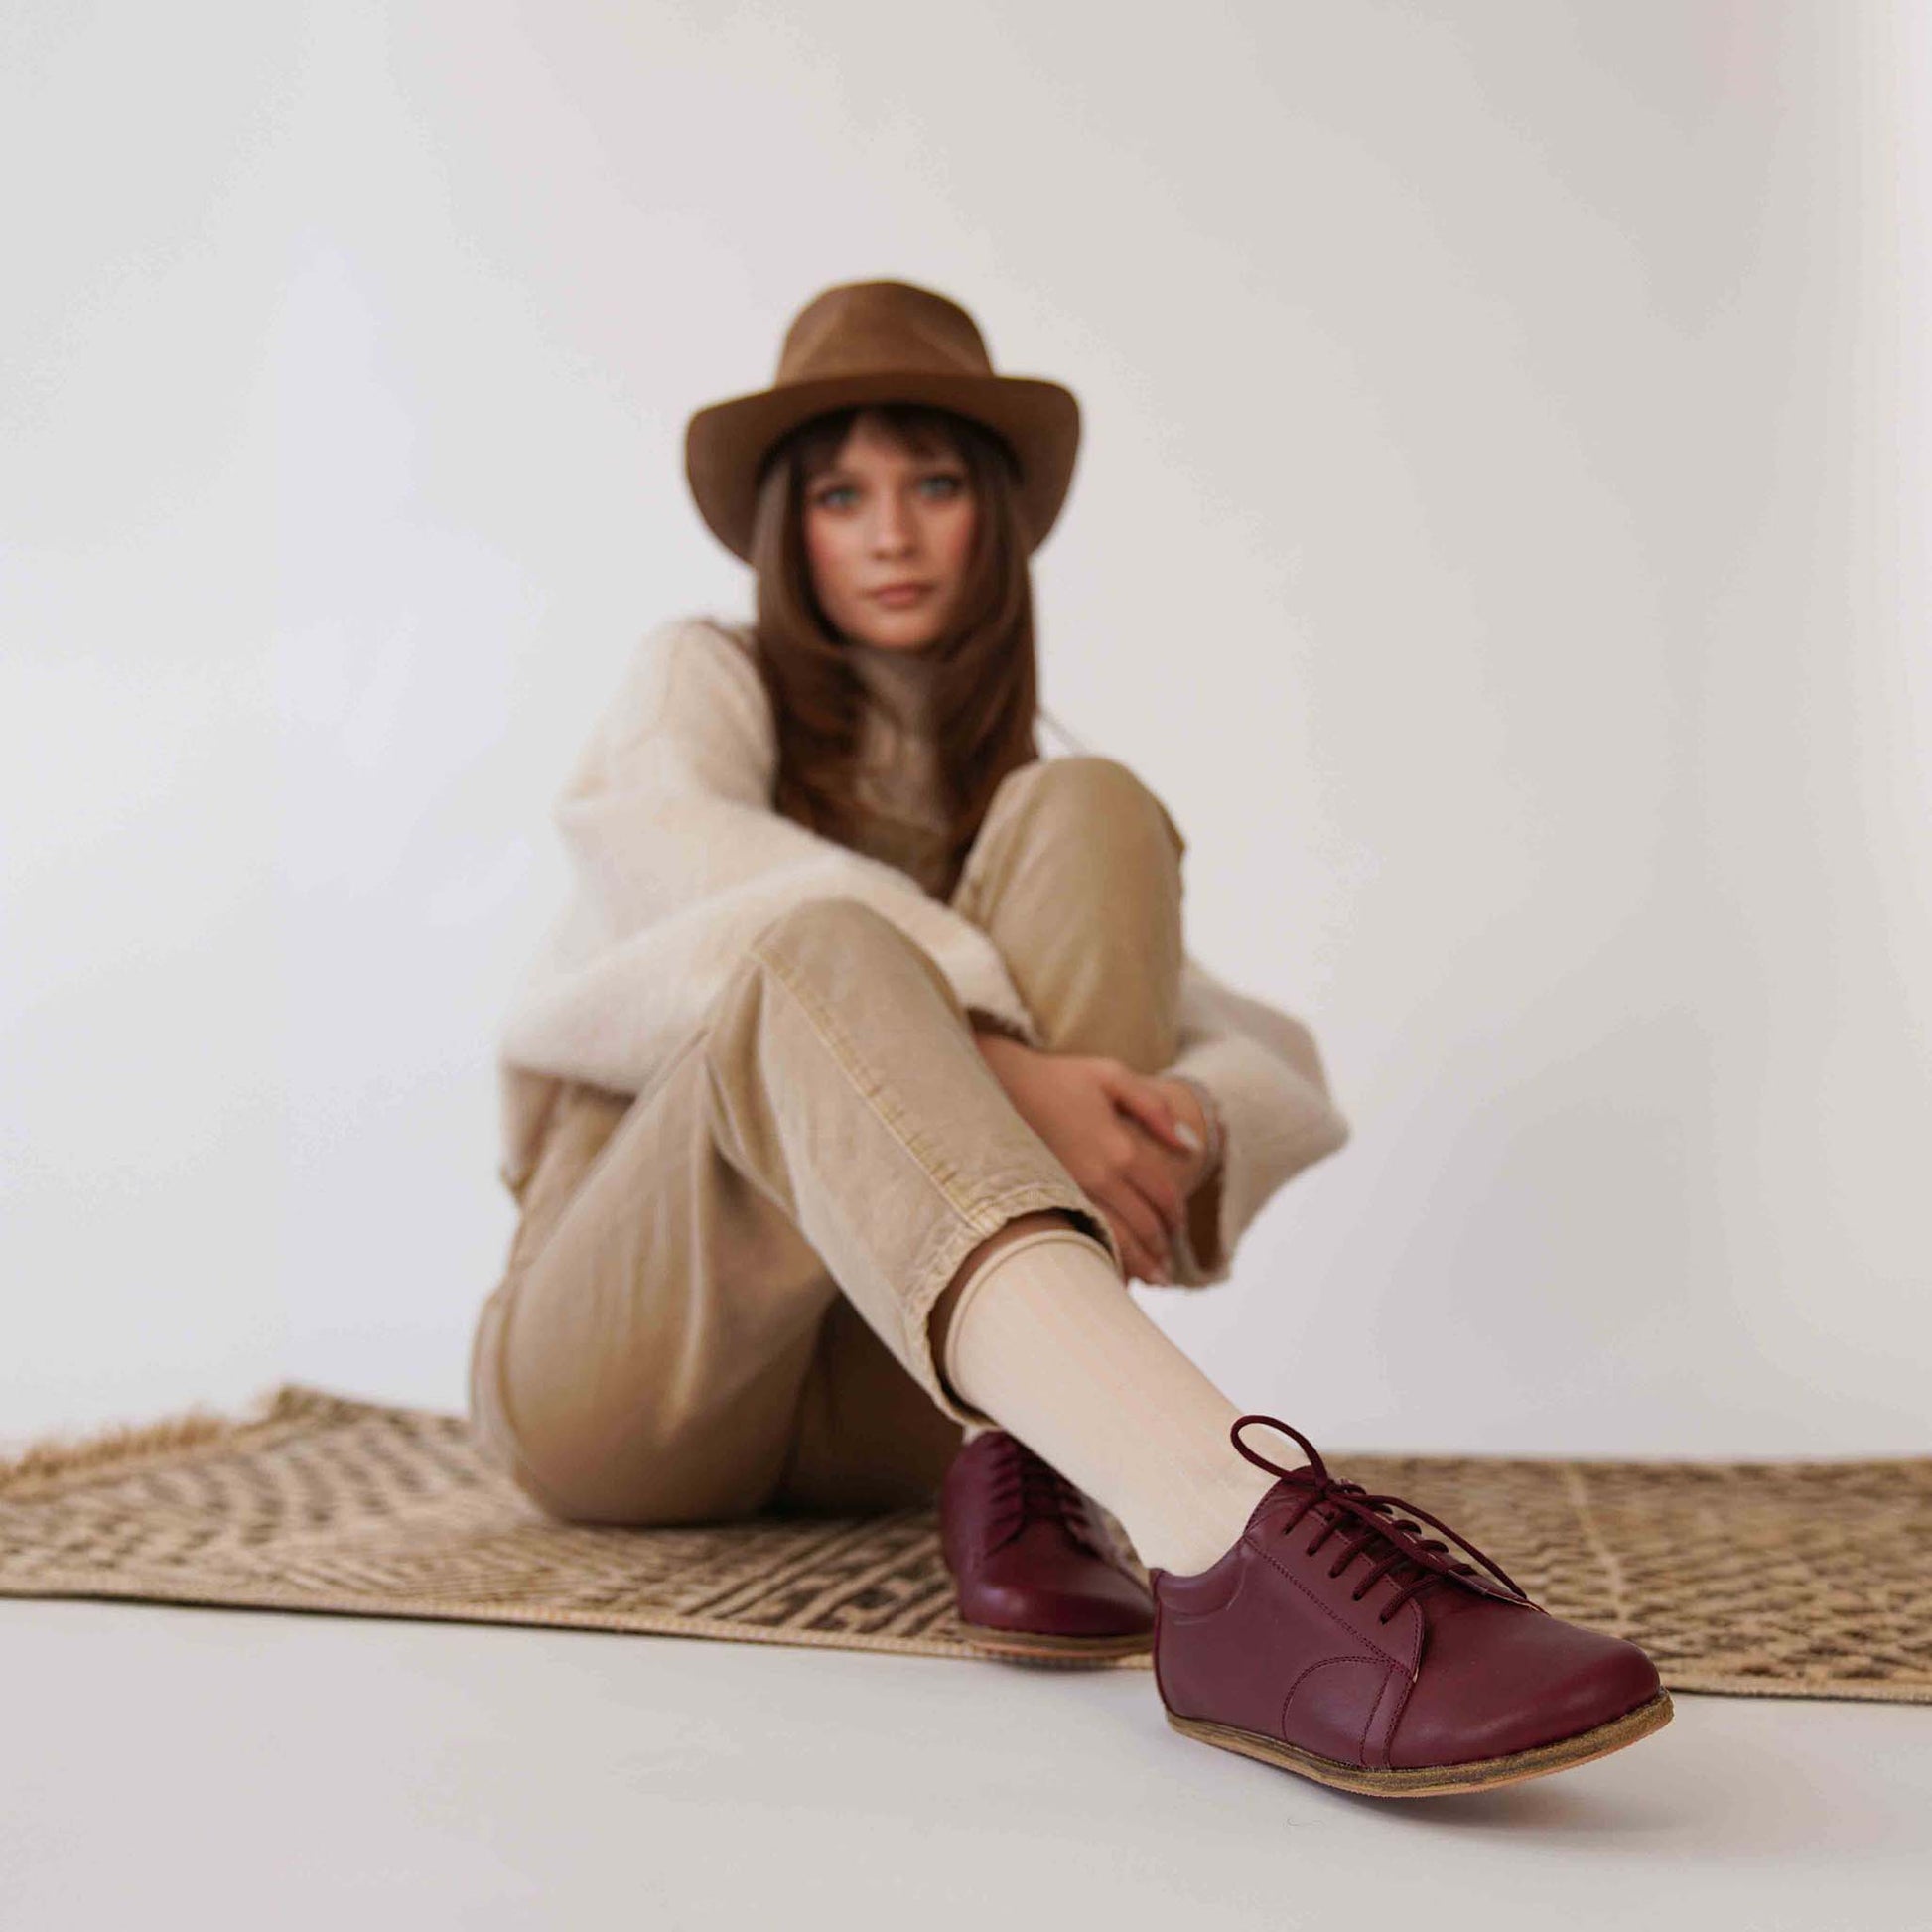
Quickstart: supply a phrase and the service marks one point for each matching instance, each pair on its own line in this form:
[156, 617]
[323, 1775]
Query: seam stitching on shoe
[1327, 1610]
[1327, 1663]
[1368, 1723]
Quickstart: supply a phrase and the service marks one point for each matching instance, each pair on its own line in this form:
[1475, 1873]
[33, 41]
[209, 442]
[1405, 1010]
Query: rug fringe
[98, 1450]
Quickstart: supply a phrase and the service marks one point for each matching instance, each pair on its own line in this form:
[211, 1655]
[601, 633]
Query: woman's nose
[891, 526]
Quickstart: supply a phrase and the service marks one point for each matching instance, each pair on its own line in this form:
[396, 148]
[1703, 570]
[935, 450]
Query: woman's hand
[1134, 1143]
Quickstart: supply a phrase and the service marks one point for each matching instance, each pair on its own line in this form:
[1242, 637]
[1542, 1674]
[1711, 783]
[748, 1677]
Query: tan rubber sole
[1431, 1781]
[1040, 1647]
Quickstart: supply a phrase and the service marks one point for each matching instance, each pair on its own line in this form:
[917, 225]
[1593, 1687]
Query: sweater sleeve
[668, 825]
[1265, 1073]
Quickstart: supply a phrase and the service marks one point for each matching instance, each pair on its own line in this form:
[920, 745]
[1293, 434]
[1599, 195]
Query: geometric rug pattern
[1778, 1578]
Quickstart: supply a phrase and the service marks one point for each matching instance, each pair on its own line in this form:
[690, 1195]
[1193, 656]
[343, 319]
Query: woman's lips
[907, 596]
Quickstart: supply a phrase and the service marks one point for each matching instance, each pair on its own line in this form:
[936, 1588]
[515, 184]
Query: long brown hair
[986, 680]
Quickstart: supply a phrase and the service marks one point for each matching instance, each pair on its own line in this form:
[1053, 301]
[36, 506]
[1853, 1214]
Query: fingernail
[1187, 1135]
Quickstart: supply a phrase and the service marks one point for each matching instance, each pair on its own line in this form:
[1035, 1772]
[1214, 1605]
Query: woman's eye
[951, 483]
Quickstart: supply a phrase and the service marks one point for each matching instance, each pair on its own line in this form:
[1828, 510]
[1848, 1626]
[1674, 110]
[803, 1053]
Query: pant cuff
[960, 1240]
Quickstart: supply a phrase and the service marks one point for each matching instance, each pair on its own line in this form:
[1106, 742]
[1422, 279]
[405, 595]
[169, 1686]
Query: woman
[868, 1065]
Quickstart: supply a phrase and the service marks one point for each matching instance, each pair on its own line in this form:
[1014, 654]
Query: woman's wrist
[1003, 1053]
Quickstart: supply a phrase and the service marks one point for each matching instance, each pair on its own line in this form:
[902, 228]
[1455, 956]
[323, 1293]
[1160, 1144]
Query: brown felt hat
[880, 342]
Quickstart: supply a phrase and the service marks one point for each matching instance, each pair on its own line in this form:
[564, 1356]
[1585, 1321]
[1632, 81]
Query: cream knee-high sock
[1045, 1338]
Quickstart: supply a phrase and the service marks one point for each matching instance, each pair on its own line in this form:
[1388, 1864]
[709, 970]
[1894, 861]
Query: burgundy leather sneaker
[1038, 1577]
[1335, 1640]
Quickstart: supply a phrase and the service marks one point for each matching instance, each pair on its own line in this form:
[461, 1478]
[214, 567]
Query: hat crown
[872, 327]
[860, 344]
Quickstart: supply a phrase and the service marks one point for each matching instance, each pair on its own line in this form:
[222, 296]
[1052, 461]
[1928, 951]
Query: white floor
[225, 1769]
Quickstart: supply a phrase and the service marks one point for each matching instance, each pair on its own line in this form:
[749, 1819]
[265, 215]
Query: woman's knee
[842, 948]
[834, 927]
[1086, 785]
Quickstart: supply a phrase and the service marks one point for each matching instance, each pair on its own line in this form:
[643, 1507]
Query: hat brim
[725, 442]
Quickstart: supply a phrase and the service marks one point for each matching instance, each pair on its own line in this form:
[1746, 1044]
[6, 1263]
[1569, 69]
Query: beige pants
[719, 1295]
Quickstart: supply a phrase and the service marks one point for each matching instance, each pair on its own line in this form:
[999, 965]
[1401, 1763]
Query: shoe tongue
[1286, 1493]
[1297, 1483]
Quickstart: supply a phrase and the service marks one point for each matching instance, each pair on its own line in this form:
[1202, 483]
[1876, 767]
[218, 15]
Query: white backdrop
[1499, 537]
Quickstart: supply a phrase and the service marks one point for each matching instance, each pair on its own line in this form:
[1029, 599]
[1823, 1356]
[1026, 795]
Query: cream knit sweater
[678, 859]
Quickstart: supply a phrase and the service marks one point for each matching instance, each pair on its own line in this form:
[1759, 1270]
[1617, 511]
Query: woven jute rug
[1781, 1578]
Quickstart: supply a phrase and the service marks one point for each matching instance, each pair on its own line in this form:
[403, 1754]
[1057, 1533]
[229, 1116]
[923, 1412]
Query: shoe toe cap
[1498, 1679]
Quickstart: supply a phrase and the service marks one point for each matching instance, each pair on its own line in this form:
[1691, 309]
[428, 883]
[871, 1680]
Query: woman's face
[881, 516]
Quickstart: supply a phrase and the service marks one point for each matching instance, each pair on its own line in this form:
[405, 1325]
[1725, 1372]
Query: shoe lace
[1029, 1489]
[1394, 1544]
